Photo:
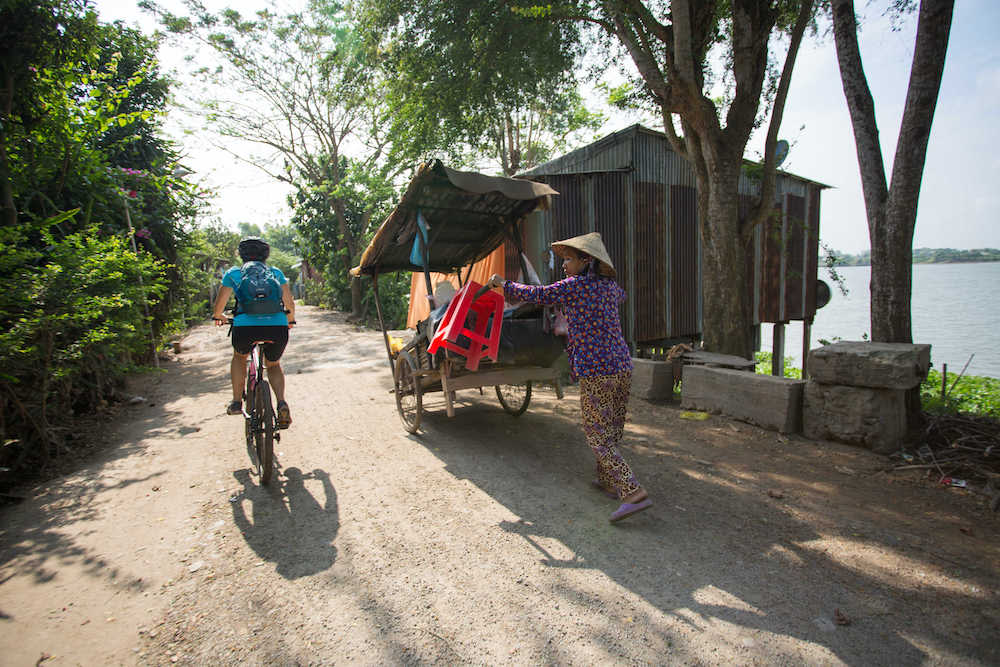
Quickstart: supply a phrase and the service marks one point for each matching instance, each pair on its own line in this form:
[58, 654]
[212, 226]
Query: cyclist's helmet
[254, 249]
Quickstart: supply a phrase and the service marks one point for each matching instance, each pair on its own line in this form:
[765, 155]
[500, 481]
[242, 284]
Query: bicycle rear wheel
[264, 433]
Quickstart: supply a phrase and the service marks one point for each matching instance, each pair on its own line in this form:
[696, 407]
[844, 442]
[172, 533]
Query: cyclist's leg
[238, 367]
[276, 377]
[275, 374]
[238, 374]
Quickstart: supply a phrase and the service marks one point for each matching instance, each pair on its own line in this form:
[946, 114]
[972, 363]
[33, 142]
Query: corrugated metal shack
[640, 195]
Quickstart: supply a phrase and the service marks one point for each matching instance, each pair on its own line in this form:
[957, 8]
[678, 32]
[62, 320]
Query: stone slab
[867, 364]
[652, 380]
[771, 402]
[870, 417]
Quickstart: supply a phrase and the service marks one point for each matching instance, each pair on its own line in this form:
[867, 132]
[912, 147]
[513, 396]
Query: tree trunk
[357, 312]
[891, 270]
[725, 312]
[892, 211]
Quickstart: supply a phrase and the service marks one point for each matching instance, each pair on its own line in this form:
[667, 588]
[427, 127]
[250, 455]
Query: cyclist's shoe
[284, 415]
[235, 408]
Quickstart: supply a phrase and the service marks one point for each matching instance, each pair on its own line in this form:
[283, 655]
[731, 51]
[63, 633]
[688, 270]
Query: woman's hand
[495, 281]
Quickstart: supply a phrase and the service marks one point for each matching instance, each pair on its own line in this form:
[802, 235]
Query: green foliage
[394, 294]
[515, 99]
[284, 262]
[831, 260]
[300, 84]
[73, 320]
[763, 365]
[282, 237]
[974, 395]
[82, 166]
[334, 220]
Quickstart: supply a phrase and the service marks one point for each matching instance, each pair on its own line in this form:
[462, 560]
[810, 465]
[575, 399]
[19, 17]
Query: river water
[956, 308]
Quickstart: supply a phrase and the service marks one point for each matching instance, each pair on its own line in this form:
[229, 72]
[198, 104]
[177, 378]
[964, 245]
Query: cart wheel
[409, 398]
[514, 397]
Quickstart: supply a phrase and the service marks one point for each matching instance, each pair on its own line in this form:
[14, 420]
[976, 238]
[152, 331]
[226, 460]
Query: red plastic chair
[452, 325]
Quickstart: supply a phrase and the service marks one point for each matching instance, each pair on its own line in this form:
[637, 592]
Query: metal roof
[616, 152]
[467, 215]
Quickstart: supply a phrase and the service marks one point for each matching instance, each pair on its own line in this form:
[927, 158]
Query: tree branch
[861, 107]
[766, 201]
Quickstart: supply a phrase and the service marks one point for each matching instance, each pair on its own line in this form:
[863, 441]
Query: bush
[974, 395]
[763, 365]
[72, 320]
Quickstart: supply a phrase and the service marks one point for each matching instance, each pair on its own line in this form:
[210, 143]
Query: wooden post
[381, 325]
[778, 350]
[449, 393]
[806, 344]
[944, 379]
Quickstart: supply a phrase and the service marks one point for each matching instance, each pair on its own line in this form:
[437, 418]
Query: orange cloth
[481, 272]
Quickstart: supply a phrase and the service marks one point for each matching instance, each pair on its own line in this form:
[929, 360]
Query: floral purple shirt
[595, 344]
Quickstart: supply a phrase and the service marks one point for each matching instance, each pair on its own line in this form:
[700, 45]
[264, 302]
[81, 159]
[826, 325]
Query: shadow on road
[715, 548]
[286, 524]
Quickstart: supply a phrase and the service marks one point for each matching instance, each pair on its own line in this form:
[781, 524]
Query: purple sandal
[628, 509]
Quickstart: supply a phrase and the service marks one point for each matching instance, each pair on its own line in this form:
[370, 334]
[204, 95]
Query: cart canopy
[466, 216]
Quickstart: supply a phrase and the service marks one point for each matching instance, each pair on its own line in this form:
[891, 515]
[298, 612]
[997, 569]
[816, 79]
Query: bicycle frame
[261, 429]
[255, 372]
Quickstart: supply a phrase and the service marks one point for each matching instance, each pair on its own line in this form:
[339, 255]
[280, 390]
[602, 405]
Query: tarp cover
[467, 215]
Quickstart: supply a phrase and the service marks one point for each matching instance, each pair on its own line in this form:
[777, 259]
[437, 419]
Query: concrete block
[771, 402]
[866, 416]
[652, 380]
[866, 364]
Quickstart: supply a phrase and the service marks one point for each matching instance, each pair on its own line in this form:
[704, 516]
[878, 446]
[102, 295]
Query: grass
[763, 366]
[972, 395]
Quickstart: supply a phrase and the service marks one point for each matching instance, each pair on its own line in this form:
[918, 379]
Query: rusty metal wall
[795, 236]
[769, 250]
[787, 260]
[685, 286]
[811, 254]
[651, 264]
[610, 195]
[640, 195]
[570, 210]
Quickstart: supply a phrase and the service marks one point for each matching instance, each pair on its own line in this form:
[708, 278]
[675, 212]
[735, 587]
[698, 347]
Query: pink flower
[133, 194]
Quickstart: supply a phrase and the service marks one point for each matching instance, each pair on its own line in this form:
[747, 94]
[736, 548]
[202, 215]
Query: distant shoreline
[953, 261]
[919, 256]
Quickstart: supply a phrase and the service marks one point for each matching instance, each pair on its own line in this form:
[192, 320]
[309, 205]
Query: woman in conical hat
[598, 356]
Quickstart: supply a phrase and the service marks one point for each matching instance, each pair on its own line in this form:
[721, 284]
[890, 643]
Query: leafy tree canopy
[467, 78]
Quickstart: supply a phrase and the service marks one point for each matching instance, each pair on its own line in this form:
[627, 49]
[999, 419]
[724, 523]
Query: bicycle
[260, 420]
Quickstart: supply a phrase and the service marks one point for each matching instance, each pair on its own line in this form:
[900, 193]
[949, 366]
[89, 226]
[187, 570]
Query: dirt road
[479, 541]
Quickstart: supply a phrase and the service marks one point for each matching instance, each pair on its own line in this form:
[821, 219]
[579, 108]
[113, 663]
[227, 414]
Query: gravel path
[479, 540]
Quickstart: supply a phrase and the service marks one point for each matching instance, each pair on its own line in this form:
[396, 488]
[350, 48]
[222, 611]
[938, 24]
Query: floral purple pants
[604, 401]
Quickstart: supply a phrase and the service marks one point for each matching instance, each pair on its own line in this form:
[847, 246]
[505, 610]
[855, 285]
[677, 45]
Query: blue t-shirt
[232, 281]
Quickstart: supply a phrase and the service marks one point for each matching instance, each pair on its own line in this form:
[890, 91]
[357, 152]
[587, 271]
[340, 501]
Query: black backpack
[258, 292]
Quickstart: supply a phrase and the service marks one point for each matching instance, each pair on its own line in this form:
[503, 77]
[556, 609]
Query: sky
[959, 203]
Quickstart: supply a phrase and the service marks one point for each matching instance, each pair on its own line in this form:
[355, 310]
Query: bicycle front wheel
[264, 435]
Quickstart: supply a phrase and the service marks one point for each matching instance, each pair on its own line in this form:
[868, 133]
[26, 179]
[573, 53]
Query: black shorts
[245, 337]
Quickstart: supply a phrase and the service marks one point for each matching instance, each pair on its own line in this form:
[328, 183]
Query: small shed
[640, 195]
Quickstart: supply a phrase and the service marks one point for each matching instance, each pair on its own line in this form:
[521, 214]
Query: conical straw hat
[592, 245]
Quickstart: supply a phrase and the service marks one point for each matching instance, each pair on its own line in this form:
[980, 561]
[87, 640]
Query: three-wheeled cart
[448, 220]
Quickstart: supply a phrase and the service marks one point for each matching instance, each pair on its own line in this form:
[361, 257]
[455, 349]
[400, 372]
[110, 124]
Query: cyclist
[249, 328]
